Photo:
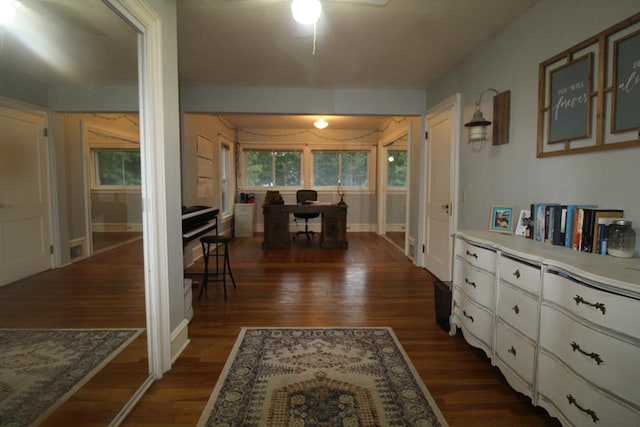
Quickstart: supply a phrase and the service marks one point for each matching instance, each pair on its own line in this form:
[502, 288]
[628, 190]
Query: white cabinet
[473, 294]
[244, 218]
[562, 326]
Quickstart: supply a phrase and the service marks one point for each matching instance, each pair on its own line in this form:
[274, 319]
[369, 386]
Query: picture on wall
[501, 219]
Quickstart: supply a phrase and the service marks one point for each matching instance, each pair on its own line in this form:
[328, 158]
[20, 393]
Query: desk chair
[303, 196]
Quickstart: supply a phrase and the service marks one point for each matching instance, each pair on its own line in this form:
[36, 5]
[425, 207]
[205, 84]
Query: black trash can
[442, 293]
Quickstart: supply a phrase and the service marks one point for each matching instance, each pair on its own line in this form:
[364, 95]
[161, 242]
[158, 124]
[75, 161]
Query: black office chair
[305, 196]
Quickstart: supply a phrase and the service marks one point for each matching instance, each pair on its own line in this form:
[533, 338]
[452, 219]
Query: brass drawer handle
[472, 255]
[572, 401]
[595, 356]
[469, 282]
[516, 309]
[512, 350]
[598, 305]
[517, 273]
[467, 316]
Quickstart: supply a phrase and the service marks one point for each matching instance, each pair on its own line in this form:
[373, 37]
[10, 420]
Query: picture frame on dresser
[501, 219]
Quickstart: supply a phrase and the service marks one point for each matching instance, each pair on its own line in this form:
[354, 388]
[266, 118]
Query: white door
[25, 239]
[441, 165]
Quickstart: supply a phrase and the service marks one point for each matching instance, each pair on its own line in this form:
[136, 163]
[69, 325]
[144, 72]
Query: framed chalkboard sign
[626, 84]
[589, 94]
[570, 116]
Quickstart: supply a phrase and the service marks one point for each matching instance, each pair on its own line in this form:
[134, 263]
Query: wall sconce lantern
[478, 126]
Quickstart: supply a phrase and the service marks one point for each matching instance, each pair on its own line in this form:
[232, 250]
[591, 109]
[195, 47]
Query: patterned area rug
[40, 369]
[319, 377]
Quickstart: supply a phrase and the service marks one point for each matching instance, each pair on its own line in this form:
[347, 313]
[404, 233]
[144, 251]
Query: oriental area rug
[319, 377]
[40, 369]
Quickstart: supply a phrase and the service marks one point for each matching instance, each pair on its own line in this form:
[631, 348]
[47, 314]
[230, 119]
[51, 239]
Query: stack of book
[580, 227]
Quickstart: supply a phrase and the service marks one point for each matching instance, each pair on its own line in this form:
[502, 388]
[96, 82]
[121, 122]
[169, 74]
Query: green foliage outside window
[397, 169]
[351, 167]
[117, 167]
[272, 168]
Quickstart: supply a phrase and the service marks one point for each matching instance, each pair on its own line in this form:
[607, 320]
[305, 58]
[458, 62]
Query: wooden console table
[276, 224]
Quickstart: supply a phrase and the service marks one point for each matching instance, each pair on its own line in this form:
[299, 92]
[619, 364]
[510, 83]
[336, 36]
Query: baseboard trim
[179, 340]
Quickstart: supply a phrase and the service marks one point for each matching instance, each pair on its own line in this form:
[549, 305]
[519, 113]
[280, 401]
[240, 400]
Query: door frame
[383, 150]
[453, 103]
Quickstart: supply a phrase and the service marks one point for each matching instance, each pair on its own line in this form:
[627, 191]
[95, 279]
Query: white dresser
[562, 326]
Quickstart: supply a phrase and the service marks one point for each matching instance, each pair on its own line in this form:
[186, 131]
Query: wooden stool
[206, 243]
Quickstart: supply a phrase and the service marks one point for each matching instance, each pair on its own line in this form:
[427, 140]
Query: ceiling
[256, 43]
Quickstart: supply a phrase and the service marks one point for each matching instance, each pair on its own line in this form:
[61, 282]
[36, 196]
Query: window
[273, 168]
[225, 179]
[117, 168]
[351, 168]
[397, 169]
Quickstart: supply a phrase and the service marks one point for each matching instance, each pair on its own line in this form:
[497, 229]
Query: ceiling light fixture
[7, 12]
[306, 11]
[321, 124]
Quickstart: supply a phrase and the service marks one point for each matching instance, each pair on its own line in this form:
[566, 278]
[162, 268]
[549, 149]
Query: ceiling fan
[307, 12]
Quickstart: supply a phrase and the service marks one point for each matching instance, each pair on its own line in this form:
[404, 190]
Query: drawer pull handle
[512, 350]
[516, 309]
[469, 282]
[598, 305]
[595, 356]
[517, 274]
[467, 316]
[472, 255]
[572, 401]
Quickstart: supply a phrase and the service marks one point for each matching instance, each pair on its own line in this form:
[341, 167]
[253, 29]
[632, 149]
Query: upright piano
[197, 221]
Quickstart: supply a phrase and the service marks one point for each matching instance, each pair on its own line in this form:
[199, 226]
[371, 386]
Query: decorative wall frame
[589, 94]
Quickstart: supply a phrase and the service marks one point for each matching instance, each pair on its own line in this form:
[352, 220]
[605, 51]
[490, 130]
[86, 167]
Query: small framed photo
[523, 223]
[501, 219]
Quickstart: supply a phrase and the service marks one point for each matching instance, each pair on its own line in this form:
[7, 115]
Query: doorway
[441, 184]
[395, 165]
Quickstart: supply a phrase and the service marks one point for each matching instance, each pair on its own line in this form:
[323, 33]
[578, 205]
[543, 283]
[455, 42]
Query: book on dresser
[540, 219]
[575, 216]
[601, 219]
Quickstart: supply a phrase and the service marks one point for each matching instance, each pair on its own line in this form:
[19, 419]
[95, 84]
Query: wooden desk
[276, 224]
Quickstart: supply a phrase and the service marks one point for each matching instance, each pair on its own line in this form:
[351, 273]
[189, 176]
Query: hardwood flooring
[369, 284]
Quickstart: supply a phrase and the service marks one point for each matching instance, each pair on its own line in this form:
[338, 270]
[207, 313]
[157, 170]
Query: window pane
[117, 167]
[397, 169]
[354, 169]
[258, 164]
[287, 168]
[224, 182]
[325, 168]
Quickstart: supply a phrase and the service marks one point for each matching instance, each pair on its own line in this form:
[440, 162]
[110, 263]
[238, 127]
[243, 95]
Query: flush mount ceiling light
[321, 124]
[306, 11]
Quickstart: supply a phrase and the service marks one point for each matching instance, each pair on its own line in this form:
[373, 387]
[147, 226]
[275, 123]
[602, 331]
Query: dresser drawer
[520, 274]
[477, 284]
[616, 312]
[473, 318]
[580, 403]
[600, 358]
[477, 256]
[518, 309]
[516, 351]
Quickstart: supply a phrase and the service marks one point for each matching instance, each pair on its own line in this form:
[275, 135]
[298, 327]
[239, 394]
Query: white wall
[511, 174]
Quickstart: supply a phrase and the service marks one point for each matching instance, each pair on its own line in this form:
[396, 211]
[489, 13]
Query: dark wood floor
[104, 291]
[370, 284]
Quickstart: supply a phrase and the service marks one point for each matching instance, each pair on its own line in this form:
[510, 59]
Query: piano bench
[206, 243]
